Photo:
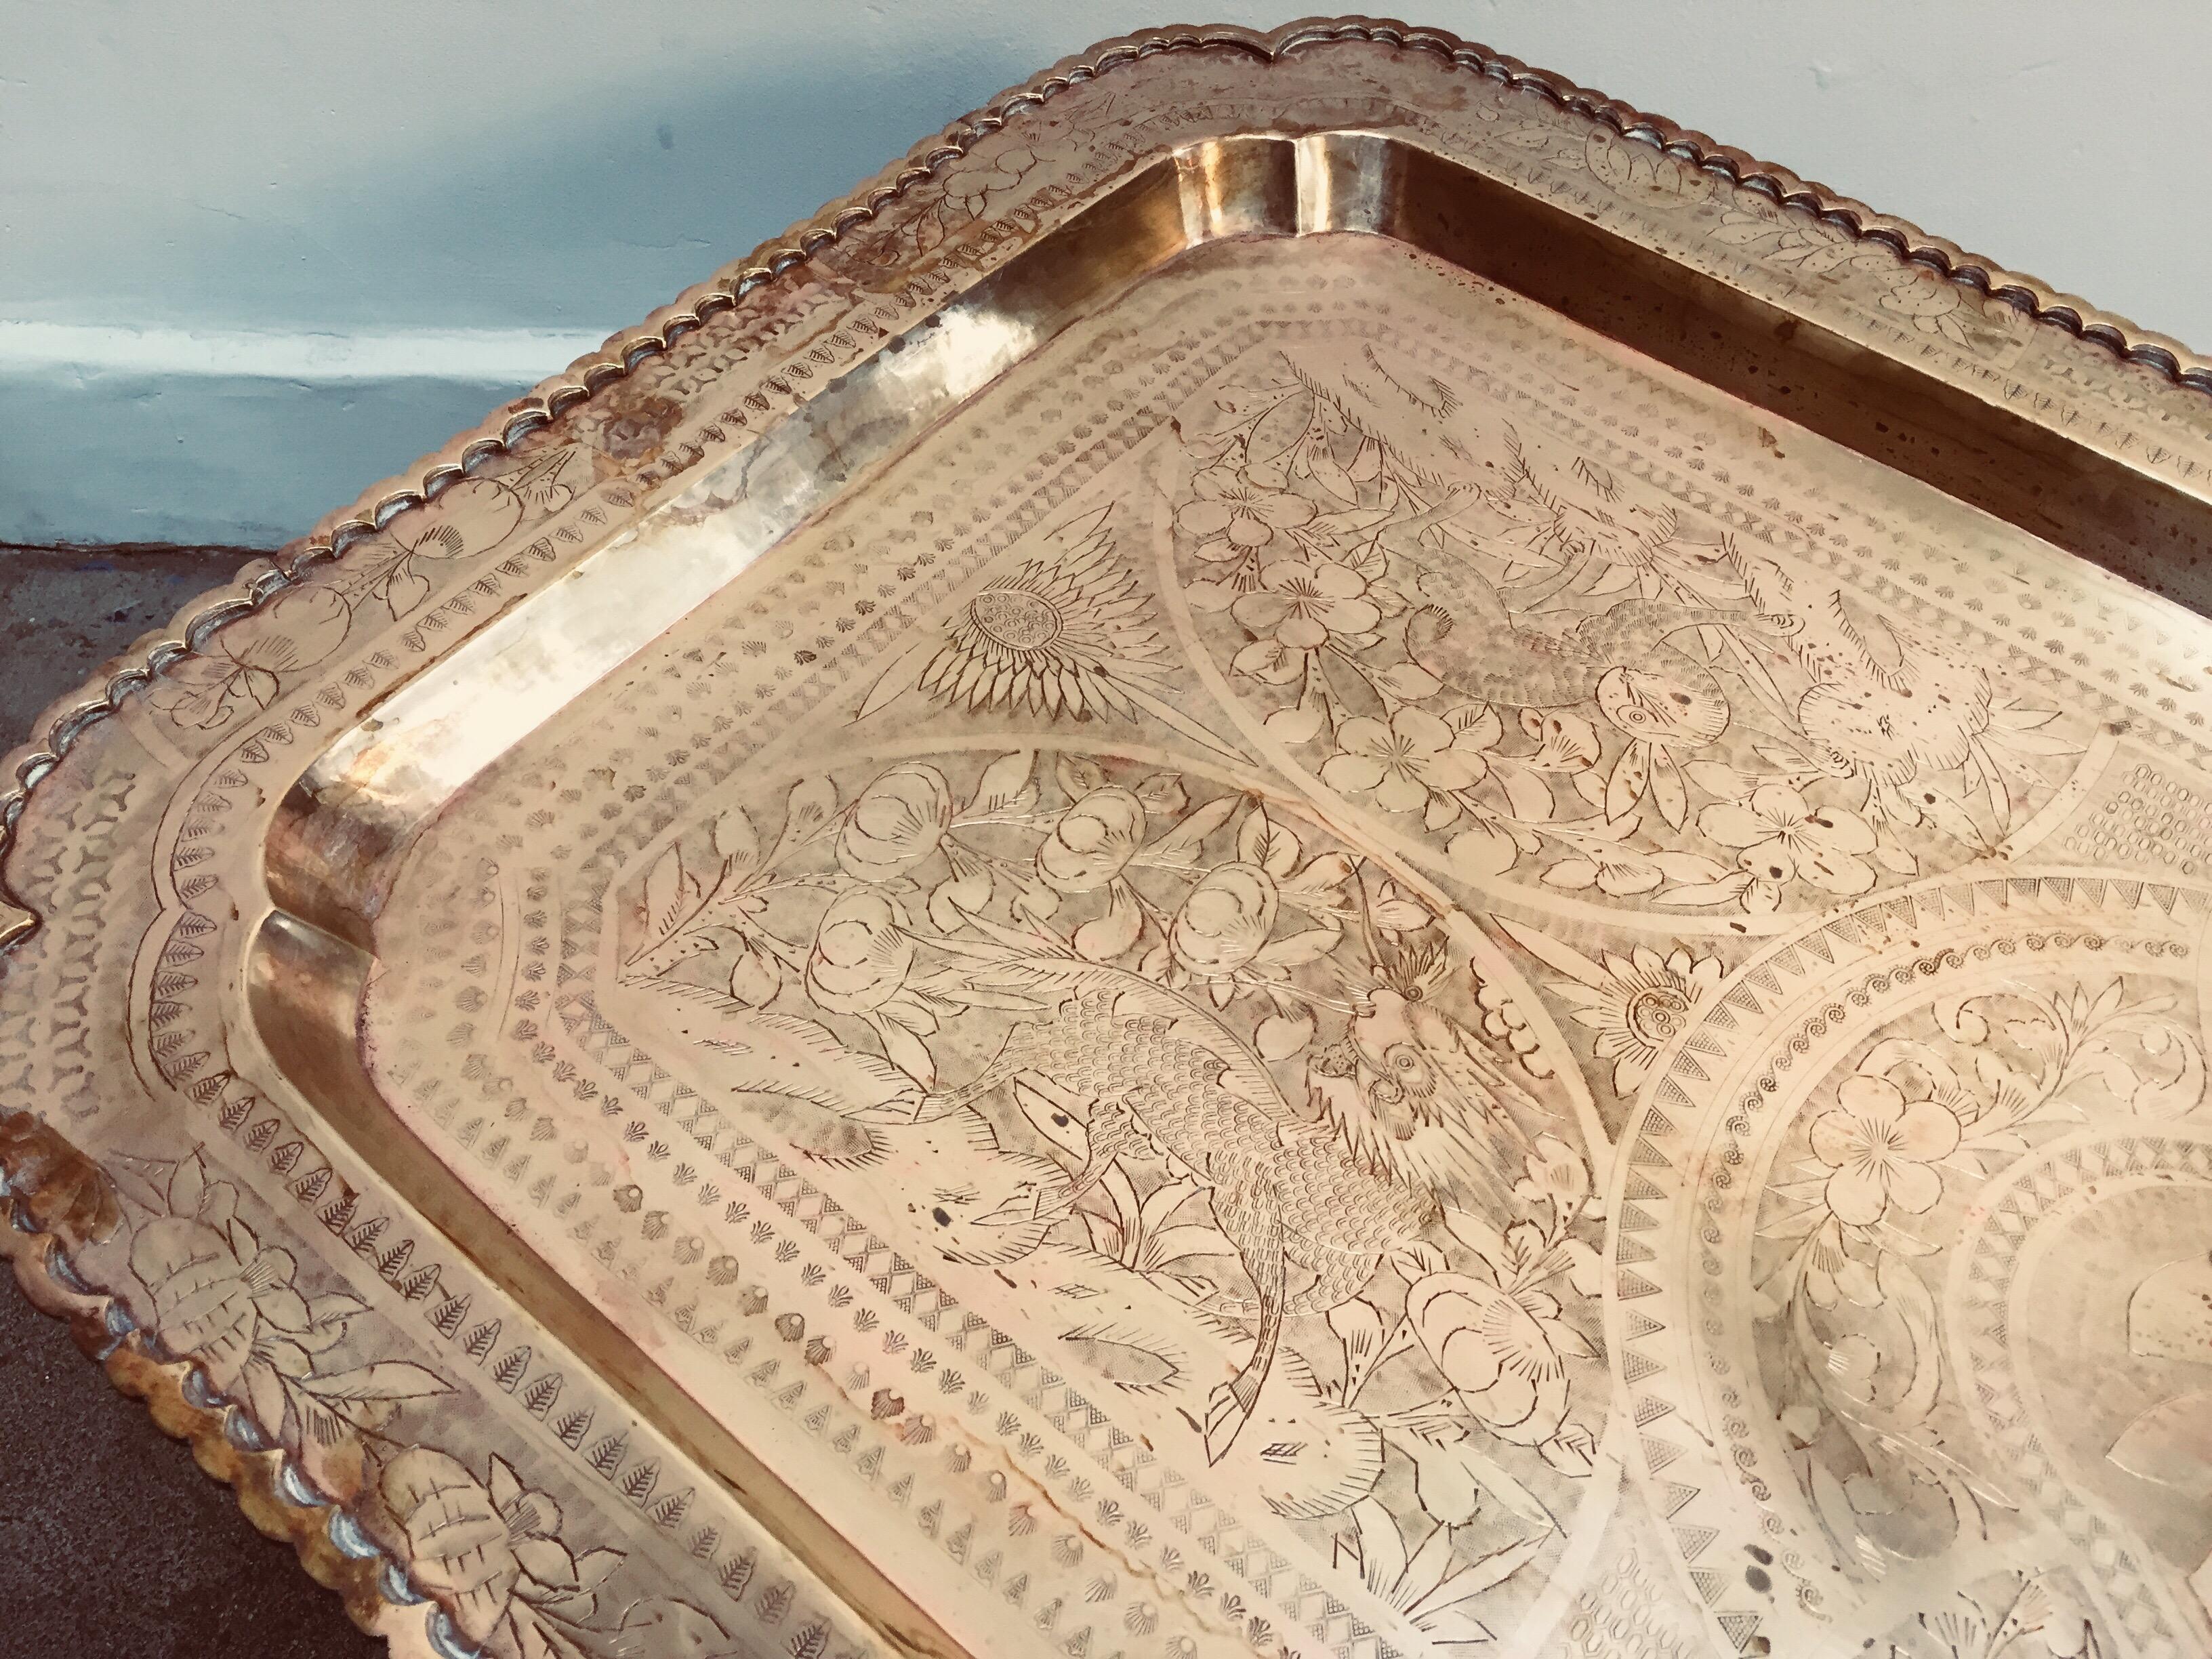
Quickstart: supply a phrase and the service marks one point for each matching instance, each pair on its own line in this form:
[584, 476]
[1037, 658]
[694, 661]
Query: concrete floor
[111, 1541]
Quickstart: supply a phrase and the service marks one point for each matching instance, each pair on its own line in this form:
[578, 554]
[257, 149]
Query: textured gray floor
[111, 1541]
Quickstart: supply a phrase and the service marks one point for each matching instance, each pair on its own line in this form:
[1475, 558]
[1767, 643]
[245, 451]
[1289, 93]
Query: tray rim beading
[224, 1439]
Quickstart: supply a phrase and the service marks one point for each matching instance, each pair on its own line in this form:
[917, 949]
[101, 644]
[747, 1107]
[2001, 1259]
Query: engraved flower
[1225, 920]
[1092, 842]
[1301, 603]
[218, 1295]
[1419, 1584]
[1227, 505]
[1069, 633]
[861, 956]
[222, 1298]
[1501, 1349]
[253, 660]
[1882, 1148]
[1778, 835]
[969, 180]
[482, 1546]
[898, 821]
[1401, 761]
[1637, 1003]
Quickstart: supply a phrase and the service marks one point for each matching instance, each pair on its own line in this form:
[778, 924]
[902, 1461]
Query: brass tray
[1318, 850]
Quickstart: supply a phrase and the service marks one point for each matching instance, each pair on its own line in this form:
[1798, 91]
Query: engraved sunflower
[1639, 1005]
[1062, 635]
[1069, 634]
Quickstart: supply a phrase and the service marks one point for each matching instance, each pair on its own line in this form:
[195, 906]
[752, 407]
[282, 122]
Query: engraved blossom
[1500, 1349]
[217, 1293]
[1301, 603]
[1880, 1147]
[861, 956]
[484, 1545]
[1401, 761]
[969, 181]
[1092, 842]
[1637, 1005]
[1227, 920]
[1230, 505]
[897, 822]
[1777, 835]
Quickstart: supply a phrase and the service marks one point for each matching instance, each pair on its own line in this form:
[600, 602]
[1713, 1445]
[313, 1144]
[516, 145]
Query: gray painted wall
[255, 256]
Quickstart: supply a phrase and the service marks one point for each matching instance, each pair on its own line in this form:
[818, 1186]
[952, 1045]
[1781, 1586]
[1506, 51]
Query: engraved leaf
[1483, 850]
[1178, 848]
[1628, 165]
[1739, 228]
[1181, 1243]
[1281, 1035]
[1668, 793]
[907, 1051]
[1329, 473]
[951, 901]
[1162, 794]
[1701, 895]
[1272, 846]
[1077, 775]
[736, 841]
[1530, 795]
[405, 592]
[754, 979]
[1006, 785]
[2173, 1435]
[1279, 430]
[1910, 1299]
[811, 802]
[1410, 682]
[1298, 949]
[667, 890]
[593, 1567]
[1394, 913]
[1625, 787]
[1487, 1572]
[386, 1379]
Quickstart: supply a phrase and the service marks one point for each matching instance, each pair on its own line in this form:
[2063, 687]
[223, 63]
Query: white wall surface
[257, 254]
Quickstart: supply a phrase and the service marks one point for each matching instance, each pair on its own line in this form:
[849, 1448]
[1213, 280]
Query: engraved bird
[1889, 705]
[1328, 1196]
[1626, 659]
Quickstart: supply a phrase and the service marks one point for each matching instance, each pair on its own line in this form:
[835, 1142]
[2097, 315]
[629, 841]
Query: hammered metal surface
[1223, 891]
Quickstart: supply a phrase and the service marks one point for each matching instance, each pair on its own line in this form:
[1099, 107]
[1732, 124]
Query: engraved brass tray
[1317, 850]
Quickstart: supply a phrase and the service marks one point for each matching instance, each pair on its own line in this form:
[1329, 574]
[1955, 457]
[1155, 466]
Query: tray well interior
[343, 839]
